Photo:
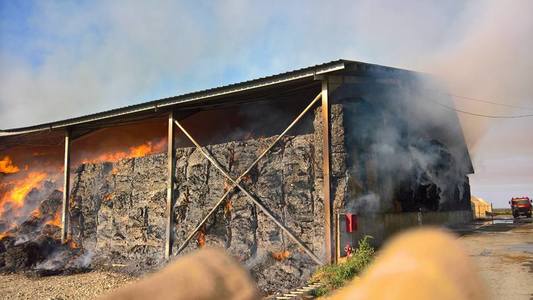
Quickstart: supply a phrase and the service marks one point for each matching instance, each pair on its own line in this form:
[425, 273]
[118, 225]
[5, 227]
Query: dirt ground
[79, 286]
[503, 252]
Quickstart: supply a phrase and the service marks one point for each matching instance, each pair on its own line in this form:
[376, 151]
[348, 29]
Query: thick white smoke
[69, 59]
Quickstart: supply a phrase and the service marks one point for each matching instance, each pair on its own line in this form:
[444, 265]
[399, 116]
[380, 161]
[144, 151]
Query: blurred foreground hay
[419, 264]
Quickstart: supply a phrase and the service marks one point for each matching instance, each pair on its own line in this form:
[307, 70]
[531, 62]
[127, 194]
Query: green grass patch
[333, 277]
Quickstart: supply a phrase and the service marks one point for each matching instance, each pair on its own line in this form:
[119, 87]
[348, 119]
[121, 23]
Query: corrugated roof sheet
[186, 98]
[203, 95]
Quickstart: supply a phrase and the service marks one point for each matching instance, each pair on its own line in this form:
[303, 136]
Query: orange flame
[228, 207]
[4, 234]
[7, 166]
[281, 256]
[108, 197]
[36, 213]
[72, 244]
[135, 151]
[141, 150]
[15, 195]
[200, 240]
[56, 220]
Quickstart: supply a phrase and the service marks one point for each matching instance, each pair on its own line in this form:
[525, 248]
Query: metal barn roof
[297, 77]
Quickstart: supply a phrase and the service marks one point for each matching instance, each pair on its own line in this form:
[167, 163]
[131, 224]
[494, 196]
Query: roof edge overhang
[189, 98]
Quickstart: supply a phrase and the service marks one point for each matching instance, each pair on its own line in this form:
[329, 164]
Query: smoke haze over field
[60, 59]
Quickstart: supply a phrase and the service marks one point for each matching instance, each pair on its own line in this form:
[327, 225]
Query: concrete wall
[383, 226]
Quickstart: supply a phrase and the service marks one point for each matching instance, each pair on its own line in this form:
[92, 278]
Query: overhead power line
[489, 102]
[483, 115]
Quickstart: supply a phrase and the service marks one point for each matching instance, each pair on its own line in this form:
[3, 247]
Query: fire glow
[281, 255]
[133, 152]
[7, 166]
[56, 220]
[17, 190]
[17, 182]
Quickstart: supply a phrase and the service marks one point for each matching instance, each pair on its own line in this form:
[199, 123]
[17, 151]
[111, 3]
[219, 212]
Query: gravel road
[79, 286]
[503, 252]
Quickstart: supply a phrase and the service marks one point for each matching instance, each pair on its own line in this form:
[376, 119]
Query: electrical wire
[483, 101]
[483, 115]
[490, 102]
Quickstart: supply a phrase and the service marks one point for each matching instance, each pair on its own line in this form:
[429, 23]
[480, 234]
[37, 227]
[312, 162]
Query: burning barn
[281, 171]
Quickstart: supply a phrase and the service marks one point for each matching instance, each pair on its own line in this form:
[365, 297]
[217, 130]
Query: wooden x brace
[236, 183]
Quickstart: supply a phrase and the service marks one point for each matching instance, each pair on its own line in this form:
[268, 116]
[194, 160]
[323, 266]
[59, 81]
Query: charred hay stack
[386, 155]
[34, 247]
[119, 208]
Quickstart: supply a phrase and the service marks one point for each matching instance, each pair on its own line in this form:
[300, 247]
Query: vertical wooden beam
[66, 190]
[171, 169]
[337, 237]
[328, 234]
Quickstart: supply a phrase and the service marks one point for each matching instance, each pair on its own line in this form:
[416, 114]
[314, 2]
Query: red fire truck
[521, 206]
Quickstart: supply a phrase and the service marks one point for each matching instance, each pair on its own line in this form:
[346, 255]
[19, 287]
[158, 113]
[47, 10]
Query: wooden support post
[171, 169]
[337, 236]
[66, 190]
[328, 234]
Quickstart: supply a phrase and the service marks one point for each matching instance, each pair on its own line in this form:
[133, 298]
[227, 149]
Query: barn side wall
[383, 226]
[118, 209]
[404, 156]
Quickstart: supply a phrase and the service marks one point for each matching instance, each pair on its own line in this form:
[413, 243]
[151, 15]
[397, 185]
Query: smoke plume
[60, 59]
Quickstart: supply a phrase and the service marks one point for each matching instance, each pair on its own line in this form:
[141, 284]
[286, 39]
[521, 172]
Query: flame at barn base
[30, 200]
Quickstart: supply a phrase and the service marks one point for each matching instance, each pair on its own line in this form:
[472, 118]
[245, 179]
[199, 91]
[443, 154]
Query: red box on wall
[351, 222]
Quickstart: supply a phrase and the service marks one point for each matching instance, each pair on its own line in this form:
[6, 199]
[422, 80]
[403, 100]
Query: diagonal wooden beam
[219, 202]
[265, 210]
